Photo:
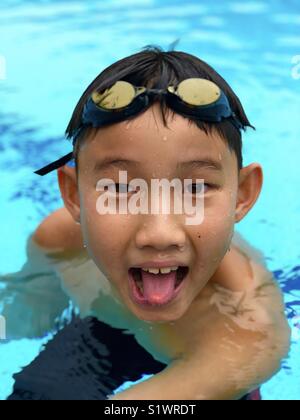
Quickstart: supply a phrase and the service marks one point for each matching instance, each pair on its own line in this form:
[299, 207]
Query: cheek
[219, 211]
[214, 236]
[106, 240]
[106, 236]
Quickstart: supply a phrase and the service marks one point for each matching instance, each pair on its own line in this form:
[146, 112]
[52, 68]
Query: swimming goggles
[194, 98]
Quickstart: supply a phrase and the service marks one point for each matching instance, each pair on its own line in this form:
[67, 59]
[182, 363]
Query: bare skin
[187, 345]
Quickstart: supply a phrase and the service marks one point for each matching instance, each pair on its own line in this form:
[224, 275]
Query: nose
[160, 232]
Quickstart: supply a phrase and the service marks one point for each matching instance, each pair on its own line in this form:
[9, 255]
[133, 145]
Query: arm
[238, 345]
[59, 233]
[32, 298]
[232, 362]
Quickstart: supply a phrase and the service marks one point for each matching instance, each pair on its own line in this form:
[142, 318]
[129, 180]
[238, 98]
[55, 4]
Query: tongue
[159, 288]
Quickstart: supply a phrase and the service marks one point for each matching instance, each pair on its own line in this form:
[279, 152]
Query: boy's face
[117, 243]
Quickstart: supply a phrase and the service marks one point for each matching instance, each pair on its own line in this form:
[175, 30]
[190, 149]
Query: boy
[193, 299]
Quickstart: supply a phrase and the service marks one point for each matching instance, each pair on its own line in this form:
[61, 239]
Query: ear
[250, 186]
[68, 184]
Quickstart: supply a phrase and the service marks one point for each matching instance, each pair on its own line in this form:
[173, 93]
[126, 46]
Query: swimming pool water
[50, 50]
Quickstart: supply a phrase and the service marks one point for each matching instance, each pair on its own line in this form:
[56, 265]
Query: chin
[159, 315]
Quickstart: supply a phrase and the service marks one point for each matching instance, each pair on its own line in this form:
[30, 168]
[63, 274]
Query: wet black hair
[154, 68]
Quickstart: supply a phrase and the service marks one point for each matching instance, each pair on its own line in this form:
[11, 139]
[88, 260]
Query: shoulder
[235, 271]
[59, 232]
[243, 268]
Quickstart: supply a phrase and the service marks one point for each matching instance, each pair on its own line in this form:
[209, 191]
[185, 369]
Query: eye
[197, 188]
[120, 189]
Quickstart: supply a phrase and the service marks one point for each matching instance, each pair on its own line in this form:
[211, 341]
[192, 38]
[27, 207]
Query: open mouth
[156, 287]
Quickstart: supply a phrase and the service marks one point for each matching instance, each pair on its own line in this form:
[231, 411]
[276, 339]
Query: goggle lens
[120, 95]
[198, 92]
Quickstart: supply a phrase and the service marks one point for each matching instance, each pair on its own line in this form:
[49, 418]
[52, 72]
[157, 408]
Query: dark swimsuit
[86, 360]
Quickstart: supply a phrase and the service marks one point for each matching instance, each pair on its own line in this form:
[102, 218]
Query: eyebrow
[107, 162]
[207, 163]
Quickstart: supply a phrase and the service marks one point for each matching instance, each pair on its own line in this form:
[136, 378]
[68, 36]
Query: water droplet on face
[220, 156]
[165, 138]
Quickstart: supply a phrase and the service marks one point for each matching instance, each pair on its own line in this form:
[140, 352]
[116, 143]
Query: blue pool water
[50, 50]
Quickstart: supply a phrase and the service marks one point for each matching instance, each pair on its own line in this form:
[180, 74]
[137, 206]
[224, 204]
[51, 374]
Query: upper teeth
[166, 270]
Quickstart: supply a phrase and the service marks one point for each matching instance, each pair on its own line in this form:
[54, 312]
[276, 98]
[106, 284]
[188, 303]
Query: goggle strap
[55, 165]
